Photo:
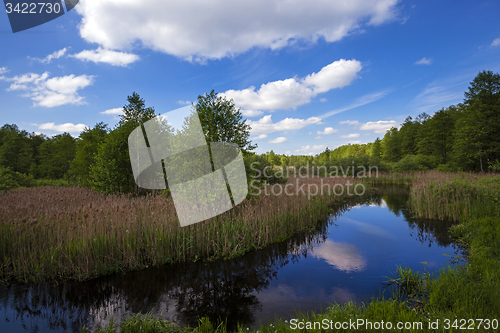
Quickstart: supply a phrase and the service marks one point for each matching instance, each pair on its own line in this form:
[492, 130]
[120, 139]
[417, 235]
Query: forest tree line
[463, 137]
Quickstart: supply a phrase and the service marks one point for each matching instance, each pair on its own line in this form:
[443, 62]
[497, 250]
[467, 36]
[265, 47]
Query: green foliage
[55, 156]
[135, 111]
[11, 179]
[111, 171]
[16, 151]
[222, 121]
[86, 149]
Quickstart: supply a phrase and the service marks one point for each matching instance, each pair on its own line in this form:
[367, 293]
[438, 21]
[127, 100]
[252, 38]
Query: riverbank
[460, 297]
[56, 233]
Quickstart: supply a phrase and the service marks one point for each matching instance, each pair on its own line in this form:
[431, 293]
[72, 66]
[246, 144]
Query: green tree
[56, 155]
[222, 121]
[15, 149]
[391, 145]
[111, 171]
[478, 124]
[86, 149]
[135, 111]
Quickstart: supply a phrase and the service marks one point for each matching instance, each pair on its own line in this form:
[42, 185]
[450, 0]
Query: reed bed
[74, 233]
[442, 195]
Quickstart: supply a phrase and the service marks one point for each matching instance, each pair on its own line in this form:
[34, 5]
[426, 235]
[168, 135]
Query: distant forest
[463, 137]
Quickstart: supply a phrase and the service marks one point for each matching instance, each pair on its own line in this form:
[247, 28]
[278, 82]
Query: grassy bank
[55, 233]
[459, 298]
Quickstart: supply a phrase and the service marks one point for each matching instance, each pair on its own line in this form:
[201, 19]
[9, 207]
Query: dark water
[348, 257]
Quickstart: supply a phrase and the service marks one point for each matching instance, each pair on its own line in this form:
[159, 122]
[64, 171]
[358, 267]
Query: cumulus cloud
[114, 112]
[349, 122]
[67, 127]
[495, 42]
[265, 125]
[251, 113]
[260, 137]
[293, 92]
[280, 139]
[111, 57]
[350, 136]
[200, 30]
[54, 55]
[328, 130]
[311, 149]
[380, 126]
[343, 256]
[51, 92]
[424, 61]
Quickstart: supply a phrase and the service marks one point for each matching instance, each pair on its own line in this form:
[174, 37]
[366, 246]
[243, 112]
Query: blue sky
[307, 74]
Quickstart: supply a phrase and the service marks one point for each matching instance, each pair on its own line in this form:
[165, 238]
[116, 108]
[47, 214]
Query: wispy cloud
[349, 122]
[54, 55]
[363, 100]
[114, 58]
[496, 42]
[424, 61]
[441, 93]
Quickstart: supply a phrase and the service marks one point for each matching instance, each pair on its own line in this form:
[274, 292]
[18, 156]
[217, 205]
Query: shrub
[10, 179]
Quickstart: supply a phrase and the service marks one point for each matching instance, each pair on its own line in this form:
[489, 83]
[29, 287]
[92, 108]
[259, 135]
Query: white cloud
[196, 30]
[380, 126]
[343, 256]
[350, 136]
[349, 122]
[3, 70]
[54, 55]
[265, 125]
[495, 42]
[184, 102]
[424, 61]
[111, 57]
[51, 92]
[251, 113]
[322, 100]
[293, 92]
[67, 127]
[114, 112]
[260, 137]
[280, 139]
[328, 130]
[311, 149]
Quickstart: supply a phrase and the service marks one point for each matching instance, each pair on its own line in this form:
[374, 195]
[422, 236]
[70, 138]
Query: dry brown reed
[75, 233]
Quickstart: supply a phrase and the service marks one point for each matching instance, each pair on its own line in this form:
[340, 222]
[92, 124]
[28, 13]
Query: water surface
[347, 258]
